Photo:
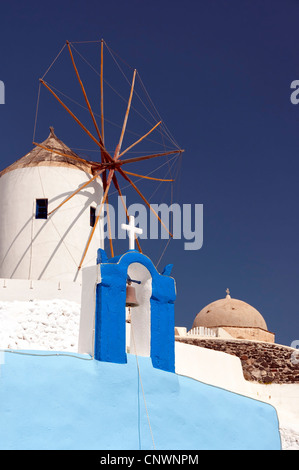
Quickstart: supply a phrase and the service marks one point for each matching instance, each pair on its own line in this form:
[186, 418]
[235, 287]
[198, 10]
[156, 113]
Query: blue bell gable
[110, 315]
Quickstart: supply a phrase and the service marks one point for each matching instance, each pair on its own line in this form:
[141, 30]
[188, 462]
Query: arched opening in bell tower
[138, 315]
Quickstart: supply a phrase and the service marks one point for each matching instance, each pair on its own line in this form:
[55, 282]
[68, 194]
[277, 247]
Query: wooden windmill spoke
[115, 182]
[77, 120]
[117, 150]
[144, 199]
[109, 228]
[102, 90]
[148, 157]
[117, 164]
[103, 155]
[147, 177]
[77, 191]
[139, 140]
[84, 94]
[109, 180]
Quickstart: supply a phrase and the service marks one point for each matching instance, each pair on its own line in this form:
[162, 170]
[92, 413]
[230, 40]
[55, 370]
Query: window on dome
[92, 217]
[41, 210]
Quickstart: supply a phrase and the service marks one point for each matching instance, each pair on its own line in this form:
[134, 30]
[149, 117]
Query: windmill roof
[41, 157]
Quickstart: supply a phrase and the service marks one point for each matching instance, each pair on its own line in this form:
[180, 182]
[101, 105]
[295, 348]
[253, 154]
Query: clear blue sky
[220, 74]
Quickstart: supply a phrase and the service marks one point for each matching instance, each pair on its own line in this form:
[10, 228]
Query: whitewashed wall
[90, 278]
[225, 371]
[27, 290]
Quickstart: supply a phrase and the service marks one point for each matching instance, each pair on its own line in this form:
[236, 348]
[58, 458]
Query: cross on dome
[228, 293]
[132, 230]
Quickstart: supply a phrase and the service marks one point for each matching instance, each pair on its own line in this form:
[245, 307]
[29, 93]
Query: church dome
[229, 312]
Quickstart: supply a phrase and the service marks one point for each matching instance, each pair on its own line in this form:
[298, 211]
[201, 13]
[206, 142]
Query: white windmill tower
[33, 243]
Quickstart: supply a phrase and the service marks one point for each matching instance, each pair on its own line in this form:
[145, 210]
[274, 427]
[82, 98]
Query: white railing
[202, 331]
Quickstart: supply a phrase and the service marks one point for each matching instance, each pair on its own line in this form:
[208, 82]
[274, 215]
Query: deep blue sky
[220, 74]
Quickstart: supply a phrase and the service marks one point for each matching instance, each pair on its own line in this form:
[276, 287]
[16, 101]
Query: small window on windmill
[92, 217]
[41, 210]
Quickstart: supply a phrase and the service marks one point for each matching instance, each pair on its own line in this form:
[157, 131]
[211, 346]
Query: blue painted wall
[65, 402]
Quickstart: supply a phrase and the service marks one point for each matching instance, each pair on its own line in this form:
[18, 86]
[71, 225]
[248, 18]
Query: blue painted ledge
[53, 401]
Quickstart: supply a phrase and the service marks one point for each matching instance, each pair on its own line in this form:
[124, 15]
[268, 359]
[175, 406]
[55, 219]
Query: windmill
[112, 164]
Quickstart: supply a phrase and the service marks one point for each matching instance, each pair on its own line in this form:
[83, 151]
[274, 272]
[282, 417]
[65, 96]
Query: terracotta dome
[229, 312]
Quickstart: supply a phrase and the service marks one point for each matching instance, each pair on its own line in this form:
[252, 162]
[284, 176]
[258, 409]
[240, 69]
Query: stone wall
[261, 362]
[255, 334]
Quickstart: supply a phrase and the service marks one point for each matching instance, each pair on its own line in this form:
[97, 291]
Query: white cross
[131, 231]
